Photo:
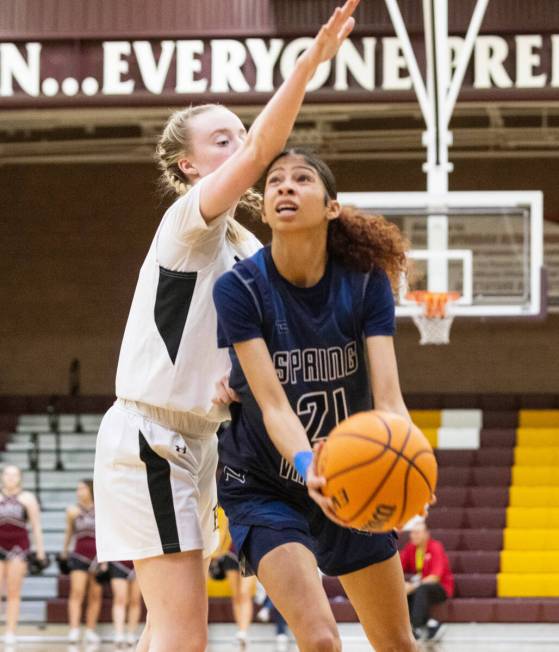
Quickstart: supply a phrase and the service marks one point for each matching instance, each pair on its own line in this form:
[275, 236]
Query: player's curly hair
[174, 143]
[358, 240]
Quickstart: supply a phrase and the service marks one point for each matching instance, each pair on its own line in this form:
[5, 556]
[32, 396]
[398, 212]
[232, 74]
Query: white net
[433, 330]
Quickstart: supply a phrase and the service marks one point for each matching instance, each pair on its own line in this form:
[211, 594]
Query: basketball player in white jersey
[156, 452]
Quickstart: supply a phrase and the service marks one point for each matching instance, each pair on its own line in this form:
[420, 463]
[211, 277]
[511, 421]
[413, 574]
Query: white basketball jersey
[169, 356]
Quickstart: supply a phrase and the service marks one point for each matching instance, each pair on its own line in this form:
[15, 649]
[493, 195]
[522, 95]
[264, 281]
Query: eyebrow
[304, 167]
[227, 130]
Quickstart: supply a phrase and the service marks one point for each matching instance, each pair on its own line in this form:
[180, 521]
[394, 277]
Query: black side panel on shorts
[161, 494]
[174, 294]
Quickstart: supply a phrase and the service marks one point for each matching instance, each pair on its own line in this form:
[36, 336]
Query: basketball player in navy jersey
[310, 322]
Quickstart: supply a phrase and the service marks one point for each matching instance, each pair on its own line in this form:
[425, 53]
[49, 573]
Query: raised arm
[383, 371]
[269, 133]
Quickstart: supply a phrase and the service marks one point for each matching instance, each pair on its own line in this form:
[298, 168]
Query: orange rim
[434, 303]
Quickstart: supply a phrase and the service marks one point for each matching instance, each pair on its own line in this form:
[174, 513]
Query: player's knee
[179, 637]
[324, 640]
[403, 642]
[190, 641]
[198, 643]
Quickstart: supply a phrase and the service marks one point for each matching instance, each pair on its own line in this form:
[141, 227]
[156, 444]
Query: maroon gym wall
[73, 238]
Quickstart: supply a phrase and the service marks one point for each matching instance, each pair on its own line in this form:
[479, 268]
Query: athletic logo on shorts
[180, 449]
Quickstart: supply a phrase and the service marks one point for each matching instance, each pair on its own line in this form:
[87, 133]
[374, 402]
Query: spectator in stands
[126, 595]
[16, 508]
[431, 580]
[82, 562]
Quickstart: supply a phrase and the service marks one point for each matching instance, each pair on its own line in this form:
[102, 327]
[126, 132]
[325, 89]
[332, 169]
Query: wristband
[302, 461]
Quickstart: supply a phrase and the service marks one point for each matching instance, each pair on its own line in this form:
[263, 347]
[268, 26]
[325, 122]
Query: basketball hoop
[434, 324]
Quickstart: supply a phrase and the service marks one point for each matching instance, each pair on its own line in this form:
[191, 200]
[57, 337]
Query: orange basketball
[380, 471]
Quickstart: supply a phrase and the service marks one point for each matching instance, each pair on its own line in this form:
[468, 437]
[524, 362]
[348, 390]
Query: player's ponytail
[358, 240]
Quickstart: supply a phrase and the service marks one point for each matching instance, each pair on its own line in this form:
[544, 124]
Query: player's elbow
[274, 413]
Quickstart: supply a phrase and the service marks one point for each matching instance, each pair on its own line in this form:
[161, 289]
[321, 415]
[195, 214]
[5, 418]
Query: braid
[251, 203]
[170, 181]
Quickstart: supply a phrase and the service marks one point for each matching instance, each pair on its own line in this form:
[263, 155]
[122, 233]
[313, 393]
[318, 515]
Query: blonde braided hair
[172, 145]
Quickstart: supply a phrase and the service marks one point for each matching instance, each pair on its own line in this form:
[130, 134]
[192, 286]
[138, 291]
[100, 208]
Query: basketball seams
[387, 427]
[412, 464]
[347, 469]
[405, 500]
[410, 468]
[410, 461]
[386, 476]
[370, 441]
[401, 437]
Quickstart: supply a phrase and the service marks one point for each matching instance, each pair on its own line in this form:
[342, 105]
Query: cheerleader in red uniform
[82, 562]
[16, 508]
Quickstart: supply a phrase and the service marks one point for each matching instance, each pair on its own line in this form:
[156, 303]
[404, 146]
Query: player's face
[216, 134]
[11, 477]
[295, 197]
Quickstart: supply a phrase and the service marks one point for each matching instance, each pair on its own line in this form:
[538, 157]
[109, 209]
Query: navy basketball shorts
[261, 520]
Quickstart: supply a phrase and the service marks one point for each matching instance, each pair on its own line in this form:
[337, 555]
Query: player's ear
[187, 168]
[333, 209]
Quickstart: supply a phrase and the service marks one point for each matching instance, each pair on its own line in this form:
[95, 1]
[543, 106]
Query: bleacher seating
[497, 511]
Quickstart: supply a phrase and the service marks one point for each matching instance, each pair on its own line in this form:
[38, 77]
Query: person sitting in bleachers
[430, 581]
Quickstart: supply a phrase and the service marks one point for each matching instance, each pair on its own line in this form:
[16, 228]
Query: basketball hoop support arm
[437, 102]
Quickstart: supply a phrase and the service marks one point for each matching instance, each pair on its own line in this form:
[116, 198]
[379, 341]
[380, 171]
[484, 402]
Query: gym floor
[455, 638]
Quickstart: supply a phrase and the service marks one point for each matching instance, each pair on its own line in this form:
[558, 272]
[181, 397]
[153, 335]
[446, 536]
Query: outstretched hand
[331, 35]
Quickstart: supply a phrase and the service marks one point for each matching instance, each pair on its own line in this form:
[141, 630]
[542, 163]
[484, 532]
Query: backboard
[486, 246]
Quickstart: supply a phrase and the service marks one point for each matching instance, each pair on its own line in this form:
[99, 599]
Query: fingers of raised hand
[346, 29]
[341, 14]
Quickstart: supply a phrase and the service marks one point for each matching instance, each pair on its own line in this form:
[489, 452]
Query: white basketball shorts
[155, 489]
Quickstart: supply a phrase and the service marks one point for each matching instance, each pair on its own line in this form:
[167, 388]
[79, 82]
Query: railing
[34, 455]
[54, 426]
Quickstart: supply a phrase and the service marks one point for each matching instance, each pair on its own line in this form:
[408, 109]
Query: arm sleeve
[378, 306]
[238, 315]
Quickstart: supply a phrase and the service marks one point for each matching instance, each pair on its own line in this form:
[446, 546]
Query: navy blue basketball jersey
[315, 337]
